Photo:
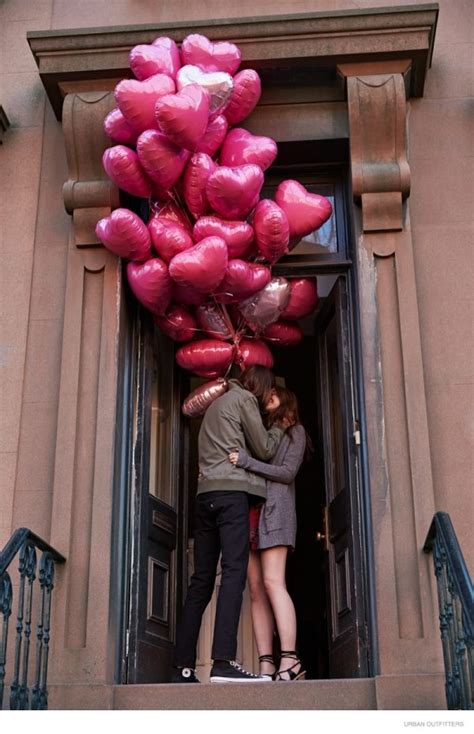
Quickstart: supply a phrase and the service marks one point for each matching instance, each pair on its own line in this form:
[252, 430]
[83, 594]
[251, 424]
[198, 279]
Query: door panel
[158, 511]
[347, 649]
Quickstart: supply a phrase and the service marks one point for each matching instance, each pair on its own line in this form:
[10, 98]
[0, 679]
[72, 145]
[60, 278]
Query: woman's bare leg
[273, 562]
[262, 616]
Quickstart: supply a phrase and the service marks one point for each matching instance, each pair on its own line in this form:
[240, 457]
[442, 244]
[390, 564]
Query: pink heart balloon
[242, 147]
[242, 280]
[137, 100]
[117, 128]
[272, 232]
[184, 116]
[244, 98]
[124, 234]
[159, 58]
[200, 51]
[188, 296]
[266, 306]
[170, 210]
[303, 299]
[283, 334]
[195, 179]
[234, 192]
[218, 84]
[253, 351]
[200, 399]
[178, 323]
[214, 135]
[151, 284]
[211, 319]
[238, 235]
[122, 166]
[168, 238]
[202, 266]
[162, 160]
[205, 356]
[305, 211]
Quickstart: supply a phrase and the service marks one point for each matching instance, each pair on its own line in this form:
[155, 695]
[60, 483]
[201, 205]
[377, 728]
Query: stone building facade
[388, 115]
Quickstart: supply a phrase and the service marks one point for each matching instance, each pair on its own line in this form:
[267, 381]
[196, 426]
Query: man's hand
[284, 424]
[234, 457]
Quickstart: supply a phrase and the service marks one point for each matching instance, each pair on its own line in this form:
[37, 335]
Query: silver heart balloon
[218, 84]
[200, 399]
[265, 307]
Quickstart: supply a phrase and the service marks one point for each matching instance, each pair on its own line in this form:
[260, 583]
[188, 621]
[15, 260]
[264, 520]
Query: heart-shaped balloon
[162, 160]
[151, 284]
[266, 306]
[218, 84]
[238, 235]
[117, 128]
[200, 51]
[137, 100]
[203, 266]
[168, 238]
[188, 296]
[253, 351]
[205, 356]
[305, 211]
[234, 192]
[177, 323]
[241, 280]
[200, 399]
[196, 176]
[170, 210]
[212, 320]
[244, 98]
[124, 234]
[213, 137]
[283, 334]
[272, 232]
[241, 147]
[303, 299]
[162, 57]
[184, 116]
[121, 164]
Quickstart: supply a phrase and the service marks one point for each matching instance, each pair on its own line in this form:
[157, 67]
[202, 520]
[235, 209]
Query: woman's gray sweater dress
[278, 517]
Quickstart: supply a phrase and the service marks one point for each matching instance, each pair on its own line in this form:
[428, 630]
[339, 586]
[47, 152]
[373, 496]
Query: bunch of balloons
[202, 263]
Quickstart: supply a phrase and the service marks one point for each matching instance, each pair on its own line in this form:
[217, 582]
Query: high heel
[292, 674]
[267, 659]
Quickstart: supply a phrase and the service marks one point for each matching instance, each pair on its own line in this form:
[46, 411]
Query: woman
[276, 536]
[222, 522]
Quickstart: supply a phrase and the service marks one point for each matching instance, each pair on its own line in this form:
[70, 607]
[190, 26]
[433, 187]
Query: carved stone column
[402, 495]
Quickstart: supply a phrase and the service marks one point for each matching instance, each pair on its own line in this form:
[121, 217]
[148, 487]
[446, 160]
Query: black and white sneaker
[184, 675]
[228, 671]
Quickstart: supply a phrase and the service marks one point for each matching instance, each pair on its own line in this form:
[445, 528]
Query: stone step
[300, 695]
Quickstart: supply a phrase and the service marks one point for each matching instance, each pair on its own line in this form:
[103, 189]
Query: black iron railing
[25, 545]
[456, 611]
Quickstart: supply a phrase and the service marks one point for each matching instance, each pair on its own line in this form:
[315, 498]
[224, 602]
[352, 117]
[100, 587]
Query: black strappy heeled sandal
[268, 659]
[292, 674]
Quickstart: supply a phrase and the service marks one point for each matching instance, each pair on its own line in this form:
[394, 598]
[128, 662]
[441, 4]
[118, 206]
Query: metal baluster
[47, 586]
[6, 596]
[30, 573]
[23, 568]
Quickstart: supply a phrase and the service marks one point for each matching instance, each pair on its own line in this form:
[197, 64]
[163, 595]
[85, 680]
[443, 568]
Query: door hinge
[356, 433]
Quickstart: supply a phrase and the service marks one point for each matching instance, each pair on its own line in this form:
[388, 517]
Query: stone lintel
[315, 40]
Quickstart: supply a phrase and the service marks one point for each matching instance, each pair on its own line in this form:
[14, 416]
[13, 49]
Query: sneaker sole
[221, 679]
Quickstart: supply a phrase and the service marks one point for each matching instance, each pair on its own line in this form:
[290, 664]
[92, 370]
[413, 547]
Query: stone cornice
[99, 56]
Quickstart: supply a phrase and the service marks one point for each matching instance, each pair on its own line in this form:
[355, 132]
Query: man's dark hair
[259, 381]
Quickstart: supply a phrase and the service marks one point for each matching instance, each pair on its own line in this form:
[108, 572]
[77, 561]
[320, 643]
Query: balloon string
[177, 200]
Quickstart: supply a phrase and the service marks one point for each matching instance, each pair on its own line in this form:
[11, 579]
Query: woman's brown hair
[260, 381]
[289, 409]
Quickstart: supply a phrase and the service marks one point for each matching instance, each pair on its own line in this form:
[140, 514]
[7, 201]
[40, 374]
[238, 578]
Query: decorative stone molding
[377, 120]
[88, 193]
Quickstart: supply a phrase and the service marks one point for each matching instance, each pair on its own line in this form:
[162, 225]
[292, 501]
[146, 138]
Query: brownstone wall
[35, 234]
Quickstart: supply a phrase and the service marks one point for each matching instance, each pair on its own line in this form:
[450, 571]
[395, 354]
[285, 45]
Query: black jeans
[222, 526]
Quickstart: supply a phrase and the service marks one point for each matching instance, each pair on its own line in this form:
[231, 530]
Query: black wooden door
[158, 509]
[341, 529]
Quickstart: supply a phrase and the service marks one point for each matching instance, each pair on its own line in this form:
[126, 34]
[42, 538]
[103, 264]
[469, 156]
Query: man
[225, 491]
